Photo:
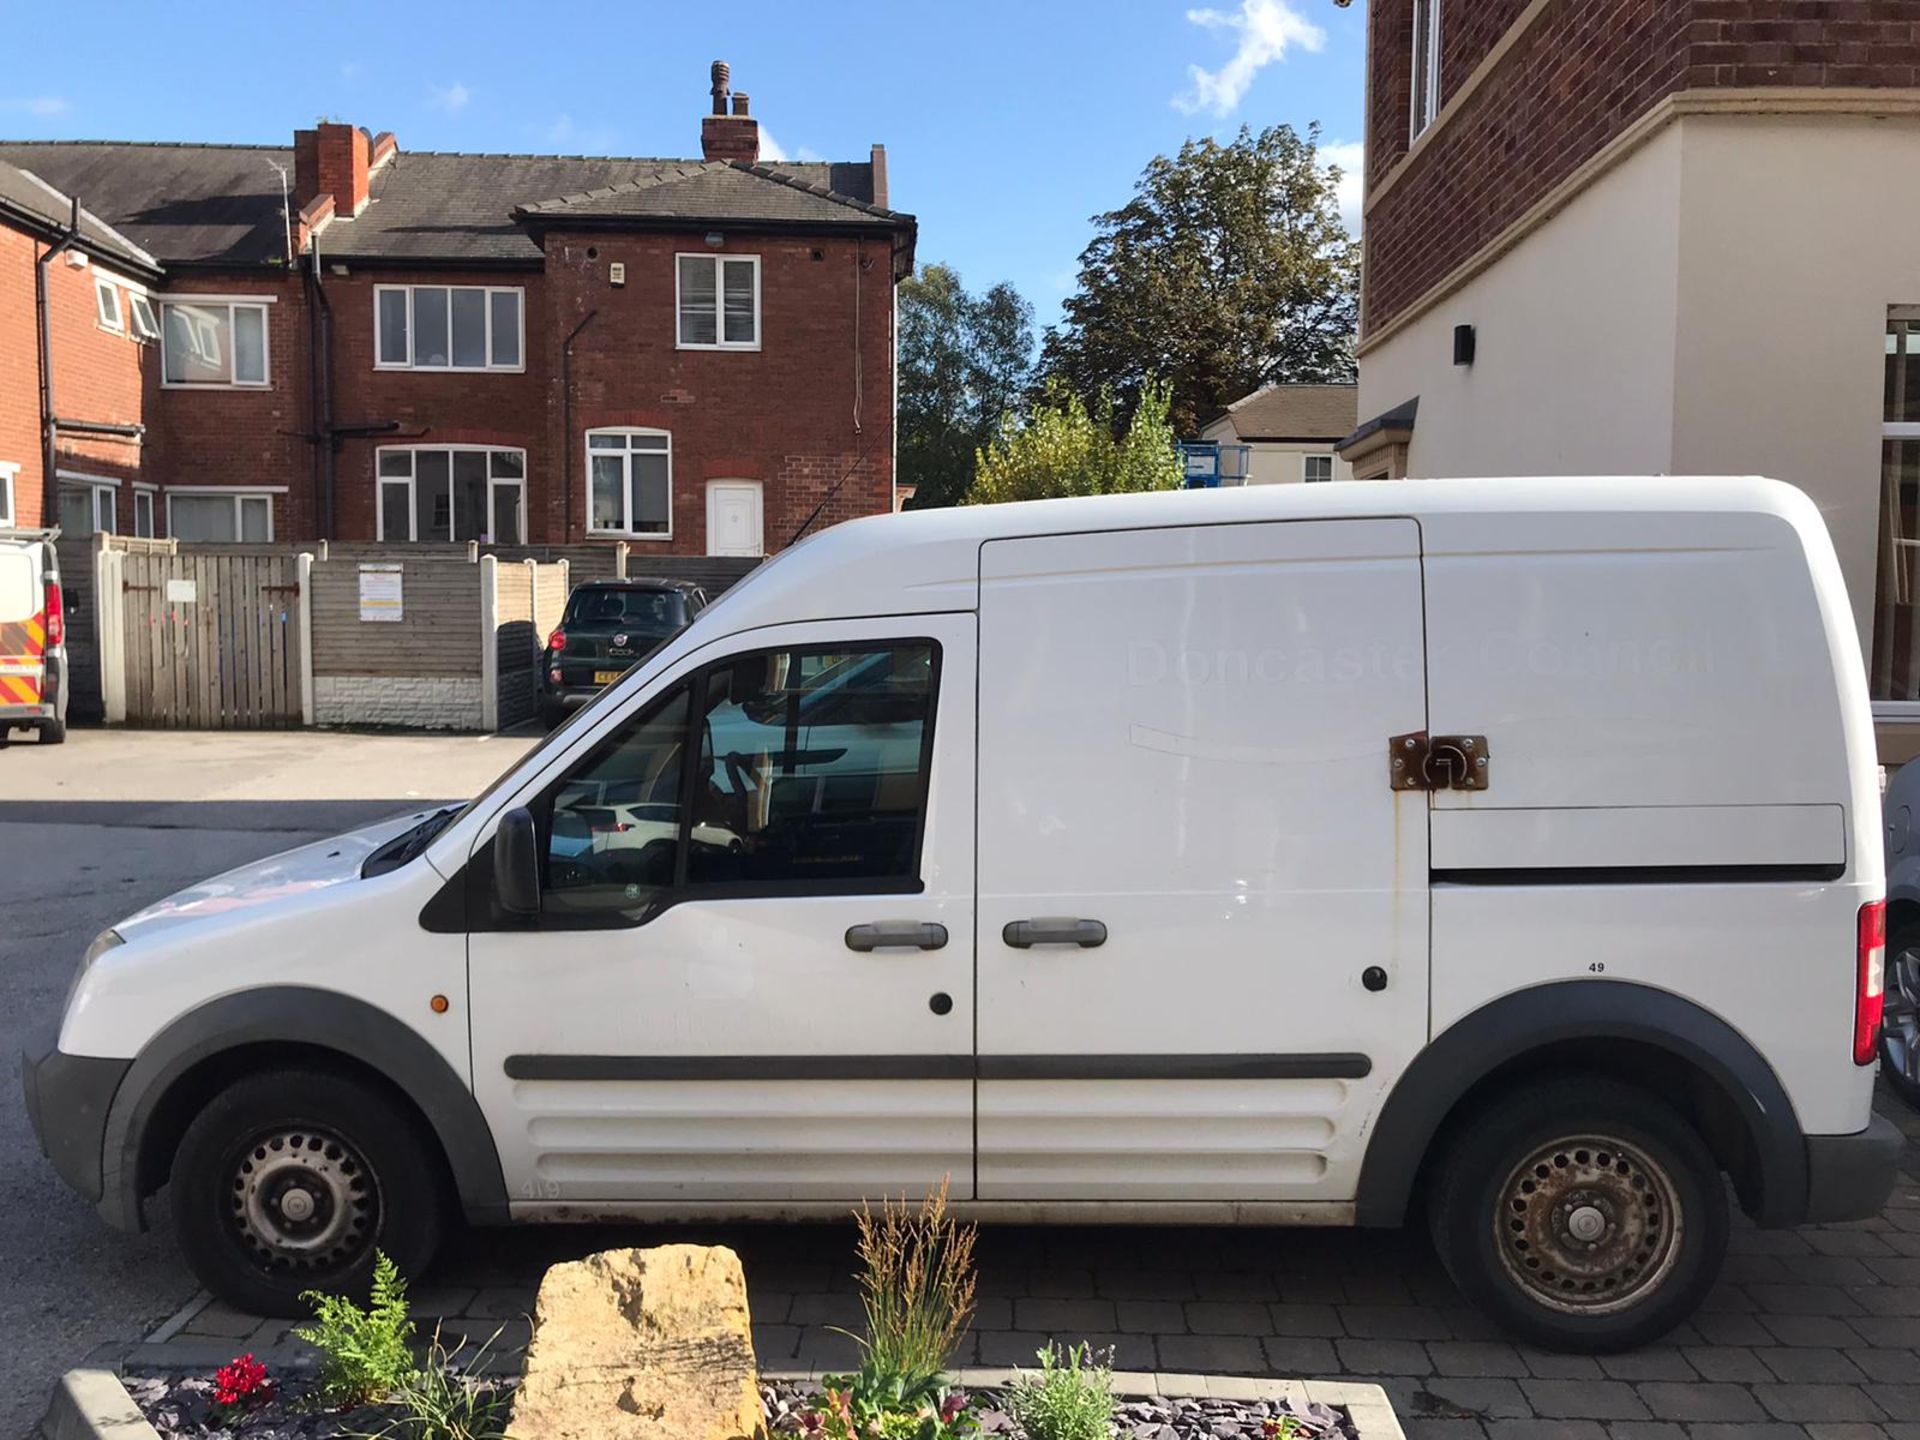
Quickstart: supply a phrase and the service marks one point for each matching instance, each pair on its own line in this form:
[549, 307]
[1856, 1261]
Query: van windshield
[19, 596]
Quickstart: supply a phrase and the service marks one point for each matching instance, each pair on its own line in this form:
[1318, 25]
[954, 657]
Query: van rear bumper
[1849, 1177]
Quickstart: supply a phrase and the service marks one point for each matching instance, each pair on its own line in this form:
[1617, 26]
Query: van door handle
[896, 935]
[1025, 934]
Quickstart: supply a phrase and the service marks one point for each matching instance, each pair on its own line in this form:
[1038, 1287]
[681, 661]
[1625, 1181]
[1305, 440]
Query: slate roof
[30, 199]
[1294, 412]
[221, 204]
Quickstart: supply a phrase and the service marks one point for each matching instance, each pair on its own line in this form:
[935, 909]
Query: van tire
[1603, 1155]
[53, 732]
[365, 1181]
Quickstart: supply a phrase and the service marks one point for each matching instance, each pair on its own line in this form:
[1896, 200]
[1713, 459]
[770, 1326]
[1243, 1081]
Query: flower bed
[185, 1405]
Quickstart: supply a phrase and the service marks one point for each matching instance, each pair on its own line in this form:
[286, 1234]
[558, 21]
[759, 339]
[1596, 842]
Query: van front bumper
[1849, 1177]
[68, 1097]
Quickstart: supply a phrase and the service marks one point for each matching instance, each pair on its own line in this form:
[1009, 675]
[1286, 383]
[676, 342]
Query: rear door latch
[1437, 762]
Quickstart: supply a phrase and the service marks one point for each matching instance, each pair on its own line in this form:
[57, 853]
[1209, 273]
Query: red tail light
[1871, 985]
[56, 618]
[557, 641]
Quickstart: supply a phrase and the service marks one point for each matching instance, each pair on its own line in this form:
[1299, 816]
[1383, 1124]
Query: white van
[1503, 852]
[33, 639]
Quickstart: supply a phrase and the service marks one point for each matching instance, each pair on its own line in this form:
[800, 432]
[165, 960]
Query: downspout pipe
[49, 423]
[566, 422]
[321, 397]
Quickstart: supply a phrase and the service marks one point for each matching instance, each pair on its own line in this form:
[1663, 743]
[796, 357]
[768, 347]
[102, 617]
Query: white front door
[733, 518]
[1191, 858]
[752, 977]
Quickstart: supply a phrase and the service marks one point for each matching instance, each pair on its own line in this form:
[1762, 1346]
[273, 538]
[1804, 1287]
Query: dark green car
[608, 627]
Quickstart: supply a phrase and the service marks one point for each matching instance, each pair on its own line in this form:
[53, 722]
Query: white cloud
[772, 149]
[1350, 156]
[452, 98]
[563, 134]
[43, 107]
[1265, 30]
[352, 70]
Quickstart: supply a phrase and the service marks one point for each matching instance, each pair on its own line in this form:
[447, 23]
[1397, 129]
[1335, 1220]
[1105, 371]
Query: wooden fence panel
[213, 640]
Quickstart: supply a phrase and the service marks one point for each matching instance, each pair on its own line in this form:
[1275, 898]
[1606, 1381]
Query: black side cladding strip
[937, 1067]
[1644, 875]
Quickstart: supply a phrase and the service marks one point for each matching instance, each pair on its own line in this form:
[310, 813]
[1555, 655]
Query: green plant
[1071, 1398]
[435, 1403]
[874, 1405]
[916, 1286]
[367, 1354]
[1064, 446]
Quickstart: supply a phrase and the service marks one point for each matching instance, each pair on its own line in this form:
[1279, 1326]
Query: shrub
[916, 1286]
[1070, 1399]
[364, 1354]
[435, 1403]
[873, 1406]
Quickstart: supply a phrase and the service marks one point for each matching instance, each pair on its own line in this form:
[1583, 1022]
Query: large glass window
[437, 493]
[1895, 662]
[447, 327]
[220, 517]
[213, 342]
[86, 509]
[812, 770]
[719, 301]
[630, 482]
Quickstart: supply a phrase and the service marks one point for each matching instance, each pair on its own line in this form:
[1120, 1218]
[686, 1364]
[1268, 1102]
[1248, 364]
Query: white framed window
[449, 327]
[630, 483]
[86, 505]
[1316, 468]
[215, 512]
[717, 298]
[8, 469]
[213, 343]
[106, 303]
[451, 492]
[1426, 65]
[143, 511]
[140, 308]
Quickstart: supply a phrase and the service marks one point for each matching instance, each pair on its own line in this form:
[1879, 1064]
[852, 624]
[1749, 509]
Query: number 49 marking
[1598, 966]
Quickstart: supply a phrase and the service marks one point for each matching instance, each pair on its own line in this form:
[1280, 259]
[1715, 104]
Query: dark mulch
[178, 1405]
[1153, 1419]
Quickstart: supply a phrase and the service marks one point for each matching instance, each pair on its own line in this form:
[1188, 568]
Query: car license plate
[607, 677]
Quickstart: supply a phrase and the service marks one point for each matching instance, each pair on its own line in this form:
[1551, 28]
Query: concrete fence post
[110, 631]
[489, 647]
[305, 576]
[620, 560]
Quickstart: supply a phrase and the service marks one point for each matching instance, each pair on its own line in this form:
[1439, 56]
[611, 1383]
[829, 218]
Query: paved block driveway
[1810, 1333]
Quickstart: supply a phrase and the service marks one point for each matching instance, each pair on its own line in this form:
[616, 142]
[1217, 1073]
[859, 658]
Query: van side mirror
[516, 863]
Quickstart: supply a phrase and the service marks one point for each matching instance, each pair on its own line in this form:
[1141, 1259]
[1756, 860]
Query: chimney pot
[721, 74]
[740, 102]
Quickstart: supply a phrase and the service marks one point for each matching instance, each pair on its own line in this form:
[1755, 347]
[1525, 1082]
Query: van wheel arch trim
[326, 1020]
[1537, 1018]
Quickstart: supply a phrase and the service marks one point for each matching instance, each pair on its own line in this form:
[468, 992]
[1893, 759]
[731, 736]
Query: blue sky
[1007, 124]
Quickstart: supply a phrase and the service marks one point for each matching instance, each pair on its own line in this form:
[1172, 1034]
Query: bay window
[448, 327]
[718, 300]
[630, 482]
[441, 494]
[212, 342]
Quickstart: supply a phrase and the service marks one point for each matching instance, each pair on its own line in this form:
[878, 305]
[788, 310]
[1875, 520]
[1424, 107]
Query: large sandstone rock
[641, 1345]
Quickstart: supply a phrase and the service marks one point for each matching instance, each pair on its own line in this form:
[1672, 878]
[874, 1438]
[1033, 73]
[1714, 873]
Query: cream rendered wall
[1573, 372]
[1272, 463]
[1796, 235]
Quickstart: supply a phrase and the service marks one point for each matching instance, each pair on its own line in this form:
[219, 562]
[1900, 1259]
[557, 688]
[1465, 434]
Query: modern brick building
[344, 339]
[1656, 236]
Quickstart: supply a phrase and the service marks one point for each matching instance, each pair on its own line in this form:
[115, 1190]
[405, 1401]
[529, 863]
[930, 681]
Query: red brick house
[1656, 237]
[359, 342]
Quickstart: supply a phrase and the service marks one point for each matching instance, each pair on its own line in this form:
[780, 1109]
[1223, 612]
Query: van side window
[612, 826]
[812, 769]
[815, 765]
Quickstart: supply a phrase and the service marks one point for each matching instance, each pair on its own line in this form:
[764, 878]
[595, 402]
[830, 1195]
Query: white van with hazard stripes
[33, 641]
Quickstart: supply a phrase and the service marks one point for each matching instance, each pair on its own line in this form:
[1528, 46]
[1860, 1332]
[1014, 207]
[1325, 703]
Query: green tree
[964, 361]
[1228, 270]
[1063, 448]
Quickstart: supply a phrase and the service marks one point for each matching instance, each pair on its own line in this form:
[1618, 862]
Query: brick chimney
[332, 159]
[880, 176]
[724, 136]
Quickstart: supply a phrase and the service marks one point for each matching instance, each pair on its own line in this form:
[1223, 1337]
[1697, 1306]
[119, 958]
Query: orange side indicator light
[439, 1004]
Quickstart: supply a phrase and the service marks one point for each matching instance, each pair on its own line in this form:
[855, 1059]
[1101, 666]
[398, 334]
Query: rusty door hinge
[1437, 762]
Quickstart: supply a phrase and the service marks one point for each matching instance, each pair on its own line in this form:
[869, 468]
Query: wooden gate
[212, 641]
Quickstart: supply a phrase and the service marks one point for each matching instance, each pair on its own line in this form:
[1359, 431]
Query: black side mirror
[516, 863]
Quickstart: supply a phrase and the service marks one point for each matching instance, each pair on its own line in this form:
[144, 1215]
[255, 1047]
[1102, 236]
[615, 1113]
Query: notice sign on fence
[380, 592]
[182, 592]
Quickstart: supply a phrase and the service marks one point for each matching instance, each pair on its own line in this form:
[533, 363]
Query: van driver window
[812, 768]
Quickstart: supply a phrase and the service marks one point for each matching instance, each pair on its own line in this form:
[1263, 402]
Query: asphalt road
[73, 859]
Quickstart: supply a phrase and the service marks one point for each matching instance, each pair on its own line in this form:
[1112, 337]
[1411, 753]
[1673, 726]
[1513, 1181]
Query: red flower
[242, 1381]
[955, 1402]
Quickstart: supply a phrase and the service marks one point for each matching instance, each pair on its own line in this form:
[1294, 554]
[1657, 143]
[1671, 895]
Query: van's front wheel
[289, 1181]
[1581, 1215]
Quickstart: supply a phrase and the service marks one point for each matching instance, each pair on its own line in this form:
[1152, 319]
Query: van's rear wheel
[289, 1181]
[1581, 1215]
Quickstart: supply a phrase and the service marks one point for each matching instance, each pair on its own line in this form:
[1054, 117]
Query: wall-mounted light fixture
[1463, 344]
[715, 239]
